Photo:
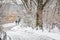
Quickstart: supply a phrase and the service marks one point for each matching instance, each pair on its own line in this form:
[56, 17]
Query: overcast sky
[7, 1]
[19, 1]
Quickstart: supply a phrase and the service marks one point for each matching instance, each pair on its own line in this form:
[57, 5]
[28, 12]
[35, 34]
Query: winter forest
[29, 19]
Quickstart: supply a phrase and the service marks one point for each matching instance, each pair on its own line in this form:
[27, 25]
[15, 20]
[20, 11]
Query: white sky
[7, 1]
[19, 1]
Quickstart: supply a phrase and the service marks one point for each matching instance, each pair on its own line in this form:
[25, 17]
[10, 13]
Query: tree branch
[45, 3]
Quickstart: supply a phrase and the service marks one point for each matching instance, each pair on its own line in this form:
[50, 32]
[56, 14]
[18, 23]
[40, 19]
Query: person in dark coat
[0, 38]
[18, 20]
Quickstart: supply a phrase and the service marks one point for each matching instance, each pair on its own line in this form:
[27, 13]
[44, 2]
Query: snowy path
[23, 33]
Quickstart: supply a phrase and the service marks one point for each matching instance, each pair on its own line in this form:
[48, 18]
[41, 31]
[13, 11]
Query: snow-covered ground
[27, 33]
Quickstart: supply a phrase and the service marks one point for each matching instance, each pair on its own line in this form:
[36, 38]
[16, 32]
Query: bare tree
[39, 3]
[40, 7]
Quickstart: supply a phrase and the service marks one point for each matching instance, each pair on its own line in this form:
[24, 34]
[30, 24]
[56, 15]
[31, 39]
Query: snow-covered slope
[27, 33]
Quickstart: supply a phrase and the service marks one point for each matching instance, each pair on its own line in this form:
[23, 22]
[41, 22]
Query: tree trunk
[39, 13]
